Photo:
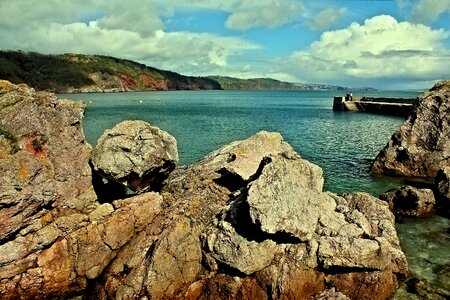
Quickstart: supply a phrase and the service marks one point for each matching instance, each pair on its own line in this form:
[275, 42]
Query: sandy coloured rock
[421, 146]
[135, 154]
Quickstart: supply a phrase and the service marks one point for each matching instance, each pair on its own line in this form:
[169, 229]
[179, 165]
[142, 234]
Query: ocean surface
[342, 143]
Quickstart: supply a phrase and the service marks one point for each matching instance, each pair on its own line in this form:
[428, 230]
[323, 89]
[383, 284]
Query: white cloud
[129, 29]
[263, 14]
[144, 20]
[425, 11]
[381, 48]
[247, 14]
[327, 17]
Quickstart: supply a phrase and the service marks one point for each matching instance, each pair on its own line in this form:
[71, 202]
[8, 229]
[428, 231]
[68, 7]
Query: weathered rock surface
[45, 181]
[43, 160]
[249, 221]
[442, 182]
[410, 201]
[330, 294]
[352, 235]
[421, 146]
[136, 155]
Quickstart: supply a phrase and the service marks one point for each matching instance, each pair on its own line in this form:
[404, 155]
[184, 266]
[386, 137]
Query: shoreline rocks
[421, 146]
[410, 201]
[248, 221]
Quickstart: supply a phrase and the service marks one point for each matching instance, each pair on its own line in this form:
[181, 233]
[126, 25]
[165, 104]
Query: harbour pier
[378, 105]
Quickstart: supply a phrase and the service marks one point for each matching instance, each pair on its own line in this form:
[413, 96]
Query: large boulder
[226, 233]
[410, 201]
[135, 154]
[421, 146]
[442, 183]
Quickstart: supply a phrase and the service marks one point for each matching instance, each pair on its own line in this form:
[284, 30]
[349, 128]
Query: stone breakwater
[386, 106]
[249, 221]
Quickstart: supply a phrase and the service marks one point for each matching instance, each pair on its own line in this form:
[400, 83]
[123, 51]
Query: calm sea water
[342, 143]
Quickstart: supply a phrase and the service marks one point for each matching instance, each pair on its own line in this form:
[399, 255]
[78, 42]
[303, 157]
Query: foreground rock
[43, 161]
[421, 146]
[45, 181]
[410, 201]
[443, 191]
[226, 237]
[135, 154]
[249, 221]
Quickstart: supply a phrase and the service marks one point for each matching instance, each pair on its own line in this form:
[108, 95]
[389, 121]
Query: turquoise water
[342, 143]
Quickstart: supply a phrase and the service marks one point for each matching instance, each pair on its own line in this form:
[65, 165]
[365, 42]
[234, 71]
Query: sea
[343, 144]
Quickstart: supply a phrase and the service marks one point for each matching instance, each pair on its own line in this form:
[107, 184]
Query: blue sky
[389, 44]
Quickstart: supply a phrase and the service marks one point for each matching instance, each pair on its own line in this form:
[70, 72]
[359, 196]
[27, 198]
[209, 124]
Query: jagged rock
[82, 253]
[136, 155]
[421, 146]
[231, 249]
[206, 245]
[43, 159]
[443, 191]
[45, 182]
[272, 201]
[410, 201]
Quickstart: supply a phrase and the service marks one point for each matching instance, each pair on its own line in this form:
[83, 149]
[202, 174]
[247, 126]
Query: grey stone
[421, 146]
[135, 154]
[233, 250]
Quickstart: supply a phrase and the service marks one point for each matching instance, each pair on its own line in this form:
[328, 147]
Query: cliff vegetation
[69, 73]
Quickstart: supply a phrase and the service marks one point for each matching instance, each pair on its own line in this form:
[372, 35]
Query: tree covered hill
[96, 73]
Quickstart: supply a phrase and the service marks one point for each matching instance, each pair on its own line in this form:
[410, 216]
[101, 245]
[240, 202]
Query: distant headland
[75, 73]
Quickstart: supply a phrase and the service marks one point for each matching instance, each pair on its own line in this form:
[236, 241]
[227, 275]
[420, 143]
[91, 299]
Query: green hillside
[73, 71]
[97, 73]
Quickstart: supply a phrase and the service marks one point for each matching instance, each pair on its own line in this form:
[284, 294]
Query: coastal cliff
[77, 73]
[249, 221]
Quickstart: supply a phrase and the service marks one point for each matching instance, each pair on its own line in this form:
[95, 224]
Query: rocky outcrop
[421, 146]
[135, 154]
[233, 201]
[410, 201]
[43, 160]
[45, 180]
[442, 183]
[249, 221]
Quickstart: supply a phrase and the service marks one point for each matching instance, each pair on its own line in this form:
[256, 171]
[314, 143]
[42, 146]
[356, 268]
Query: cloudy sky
[390, 44]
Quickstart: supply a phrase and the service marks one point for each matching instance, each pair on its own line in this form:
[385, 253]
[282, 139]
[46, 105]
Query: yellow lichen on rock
[5, 148]
[5, 86]
[24, 172]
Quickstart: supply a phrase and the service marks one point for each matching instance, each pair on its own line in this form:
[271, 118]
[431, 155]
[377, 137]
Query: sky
[389, 44]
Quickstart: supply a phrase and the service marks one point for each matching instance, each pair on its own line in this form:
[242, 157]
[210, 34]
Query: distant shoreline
[78, 73]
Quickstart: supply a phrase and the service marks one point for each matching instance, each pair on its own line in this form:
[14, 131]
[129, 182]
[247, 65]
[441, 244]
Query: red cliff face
[152, 84]
[127, 81]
